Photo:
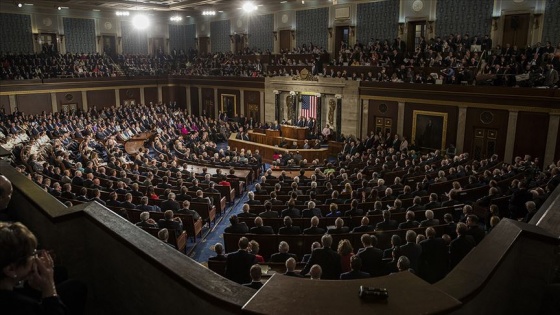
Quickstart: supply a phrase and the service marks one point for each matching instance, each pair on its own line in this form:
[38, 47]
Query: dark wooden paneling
[451, 111]
[74, 97]
[130, 94]
[237, 99]
[5, 104]
[499, 123]
[101, 99]
[376, 109]
[195, 102]
[34, 103]
[530, 136]
[208, 105]
[557, 153]
[151, 95]
[170, 94]
[252, 98]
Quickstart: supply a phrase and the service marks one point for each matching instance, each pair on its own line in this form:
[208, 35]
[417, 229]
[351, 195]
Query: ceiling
[186, 7]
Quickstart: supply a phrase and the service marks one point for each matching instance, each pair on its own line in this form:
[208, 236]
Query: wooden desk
[133, 145]
[272, 133]
[267, 151]
[269, 139]
[294, 132]
[408, 294]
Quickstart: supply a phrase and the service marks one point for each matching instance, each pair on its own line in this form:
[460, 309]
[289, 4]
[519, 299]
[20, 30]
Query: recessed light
[283, 1]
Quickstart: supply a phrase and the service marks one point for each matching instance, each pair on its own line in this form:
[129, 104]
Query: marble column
[216, 106]
[461, 127]
[277, 106]
[53, 103]
[553, 124]
[400, 118]
[159, 94]
[199, 105]
[142, 97]
[510, 139]
[338, 116]
[261, 106]
[188, 96]
[84, 101]
[117, 97]
[242, 102]
[13, 102]
[318, 114]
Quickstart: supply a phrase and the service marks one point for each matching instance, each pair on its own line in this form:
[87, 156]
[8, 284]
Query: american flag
[309, 106]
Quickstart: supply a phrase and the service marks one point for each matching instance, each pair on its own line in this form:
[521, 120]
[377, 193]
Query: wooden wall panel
[195, 102]
[34, 103]
[5, 104]
[382, 109]
[69, 98]
[499, 123]
[530, 136]
[130, 94]
[451, 111]
[252, 104]
[208, 103]
[151, 95]
[237, 99]
[172, 94]
[100, 99]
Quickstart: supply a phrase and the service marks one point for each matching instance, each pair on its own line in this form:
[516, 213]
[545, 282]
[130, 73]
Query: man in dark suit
[291, 266]
[187, 210]
[252, 200]
[170, 203]
[517, 201]
[283, 254]
[450, 226]
[259, 228]
[273, 199]
[364, 227]
[461, 246]
[432, 202]
[416, 204]
[327, 258]
[236, 227]
[430, 221]
[474, 229]
[112, 201]
[144, 206]
[169, 222]
[387, 224]
[314, 229]
[268, 213]
[372, 257]
[433, 260]
[311, 211]
[288, 228]
[411, 250]
[339, 227]
[291, 211]
[354, 211]
[128, 202]
[238, 264]
[256, 273]
[355, 272]
[246, 212]
[146, 221]
[219, 249]
[410, 223]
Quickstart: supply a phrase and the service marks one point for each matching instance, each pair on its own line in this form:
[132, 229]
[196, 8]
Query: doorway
[109, 45]
[415, 31]
[238, 43]
[342, 34]
[516, 28]
[157, 46]
[484, 144]
[49, 44]
[285, 40]
[203, 45]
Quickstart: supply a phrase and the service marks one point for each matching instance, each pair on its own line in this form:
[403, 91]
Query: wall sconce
[275, 35]
[537, 19]
[495, 22]
[401, 28]
[330, 31]
[293, 34]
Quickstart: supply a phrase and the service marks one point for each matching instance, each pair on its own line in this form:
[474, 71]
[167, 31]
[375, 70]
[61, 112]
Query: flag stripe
[309, 106]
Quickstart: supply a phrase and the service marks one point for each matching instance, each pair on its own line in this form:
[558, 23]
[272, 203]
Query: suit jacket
[285, 230]
[253, 284]
[291, 212]
[427, 223]
[328, 259]
[387, 225]
[354, 274]
[433, 260]
[309, 213]
[408, 225]
[412, 251]
[342, 230]
[281, 257]
[314, 230]
[459, 248]
[261, 230]
[170, 205]
[362, 228]
[268, 214]
[238, 265]
[170, 224]
[372, 260]
[477, 233]
[148, 208]
[145, 224]
[432, 205]
[239, 228]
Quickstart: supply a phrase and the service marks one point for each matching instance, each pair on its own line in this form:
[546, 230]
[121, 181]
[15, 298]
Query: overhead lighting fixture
[122, 13]
[209, 12]
[176, 18]
[96, 10]
[140, 21]
[20, 5]
[59, 8]
[283, 1]
[249, 7]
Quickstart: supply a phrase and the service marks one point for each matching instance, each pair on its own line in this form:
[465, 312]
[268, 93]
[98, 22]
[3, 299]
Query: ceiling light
[249, 7]
[59, 8]
[122, 13]
[283, 1]
[176, 18]
[140, 21]
[20, 5]
[209, 12]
